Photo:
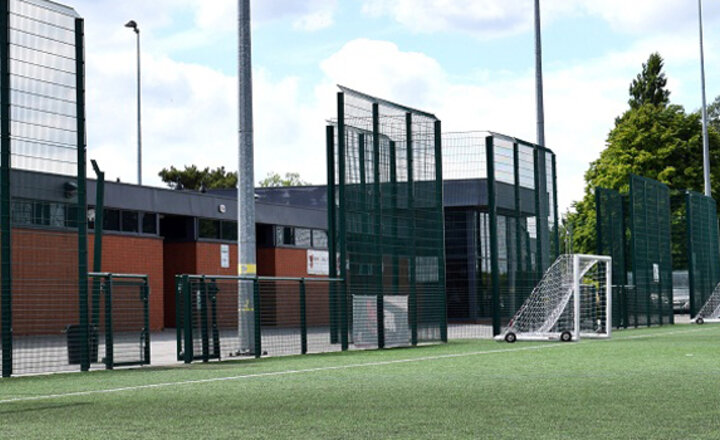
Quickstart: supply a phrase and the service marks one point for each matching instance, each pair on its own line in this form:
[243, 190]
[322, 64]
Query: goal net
[571, 301]
[710, 311]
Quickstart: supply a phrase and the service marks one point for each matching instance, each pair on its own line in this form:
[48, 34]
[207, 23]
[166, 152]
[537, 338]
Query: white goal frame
[710, 311]
[545, 331]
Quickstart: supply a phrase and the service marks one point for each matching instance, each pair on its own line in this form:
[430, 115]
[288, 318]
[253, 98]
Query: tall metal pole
[139, 113]
[246, 189]
[539, 78]
[132, 24]
[706, 145]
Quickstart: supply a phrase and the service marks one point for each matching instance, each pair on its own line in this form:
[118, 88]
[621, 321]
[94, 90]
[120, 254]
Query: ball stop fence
[501, 227]
[653, 233]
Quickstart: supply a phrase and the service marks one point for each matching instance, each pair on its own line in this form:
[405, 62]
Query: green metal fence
[651, 252]
[501, 227]
[119, 320]
[635, 230]
[386, 222]
[43, 228]
[611, 240]
[703, 248]
[291, 316]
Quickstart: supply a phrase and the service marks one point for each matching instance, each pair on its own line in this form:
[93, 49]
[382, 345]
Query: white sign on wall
[224, 256]
[318, 262]
[656, 273]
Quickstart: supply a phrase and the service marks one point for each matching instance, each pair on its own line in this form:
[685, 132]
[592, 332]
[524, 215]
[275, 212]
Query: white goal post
[710, 311]
[573, 300]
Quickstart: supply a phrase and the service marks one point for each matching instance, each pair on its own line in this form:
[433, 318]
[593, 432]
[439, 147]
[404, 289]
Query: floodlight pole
[539, 78]
[706, 145]
[134, 26]
[246, 189]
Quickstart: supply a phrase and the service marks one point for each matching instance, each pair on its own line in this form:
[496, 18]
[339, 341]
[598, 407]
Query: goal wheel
[700, 321]
[566, 336]
[510, 337]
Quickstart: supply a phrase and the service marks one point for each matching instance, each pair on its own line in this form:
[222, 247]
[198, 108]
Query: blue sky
[468, 61]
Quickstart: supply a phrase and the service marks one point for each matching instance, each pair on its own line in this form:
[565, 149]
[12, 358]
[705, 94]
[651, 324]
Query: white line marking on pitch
[315, 370]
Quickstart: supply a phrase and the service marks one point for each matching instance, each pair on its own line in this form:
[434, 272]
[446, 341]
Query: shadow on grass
[43, 407]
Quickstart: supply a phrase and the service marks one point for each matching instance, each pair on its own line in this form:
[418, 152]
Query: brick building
[163, 233]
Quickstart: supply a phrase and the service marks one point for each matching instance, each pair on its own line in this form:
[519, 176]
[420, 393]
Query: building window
[149, 223]
[302, 238]
[229, 231]
[129, 221]
[111, 220]
[208, 229]
[22, 212]
[319, 239]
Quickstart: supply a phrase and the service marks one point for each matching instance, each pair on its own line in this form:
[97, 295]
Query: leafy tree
[655, 140]
[649, 85]
[194, 178]
[713, 113]
[274, 180]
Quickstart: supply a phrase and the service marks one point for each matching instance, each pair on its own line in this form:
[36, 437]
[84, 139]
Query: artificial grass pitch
[659, 383]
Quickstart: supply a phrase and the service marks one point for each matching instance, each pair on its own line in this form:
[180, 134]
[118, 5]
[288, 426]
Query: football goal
[710, 311]
[571, 301]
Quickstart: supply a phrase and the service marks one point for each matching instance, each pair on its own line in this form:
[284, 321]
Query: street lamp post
[134, 26]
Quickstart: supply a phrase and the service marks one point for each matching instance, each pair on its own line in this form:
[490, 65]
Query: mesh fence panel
[636, 232]
[119, 322]
[524, 185]
[651, 252]
[294, 316]
[703, 248]
[610, 224]
[389, 207]
[43, 127]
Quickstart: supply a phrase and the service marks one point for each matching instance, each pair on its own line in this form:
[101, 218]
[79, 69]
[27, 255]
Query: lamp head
[133, 25]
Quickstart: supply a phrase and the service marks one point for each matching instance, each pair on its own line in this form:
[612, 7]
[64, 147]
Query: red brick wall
[281, 305]
[137, 255]
[201, 258]
[45, 299]
[45, 274]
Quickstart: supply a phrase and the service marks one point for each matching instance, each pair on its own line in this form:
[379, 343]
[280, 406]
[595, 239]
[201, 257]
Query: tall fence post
[98, 236]
[440, 206]
[344, 319]
[377, 227]
[332, 233]
[303, 318]
[204, 329]
[146, 319]
[412, 297]
[82, 191]
[258, 317]
[179, 314]
[5, 225]
[492, 208]
[109, 337]
[188, 320]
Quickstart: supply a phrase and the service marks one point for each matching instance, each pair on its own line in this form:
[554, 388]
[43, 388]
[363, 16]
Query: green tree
[655, 140]
[195, 179]
[649, 85]
[713, 112]
[274, 180]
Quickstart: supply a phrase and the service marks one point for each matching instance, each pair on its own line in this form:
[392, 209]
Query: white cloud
[308, 15]
[314, 21]
[498, 18]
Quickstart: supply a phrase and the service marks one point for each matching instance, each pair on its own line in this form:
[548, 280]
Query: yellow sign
[247, 269]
